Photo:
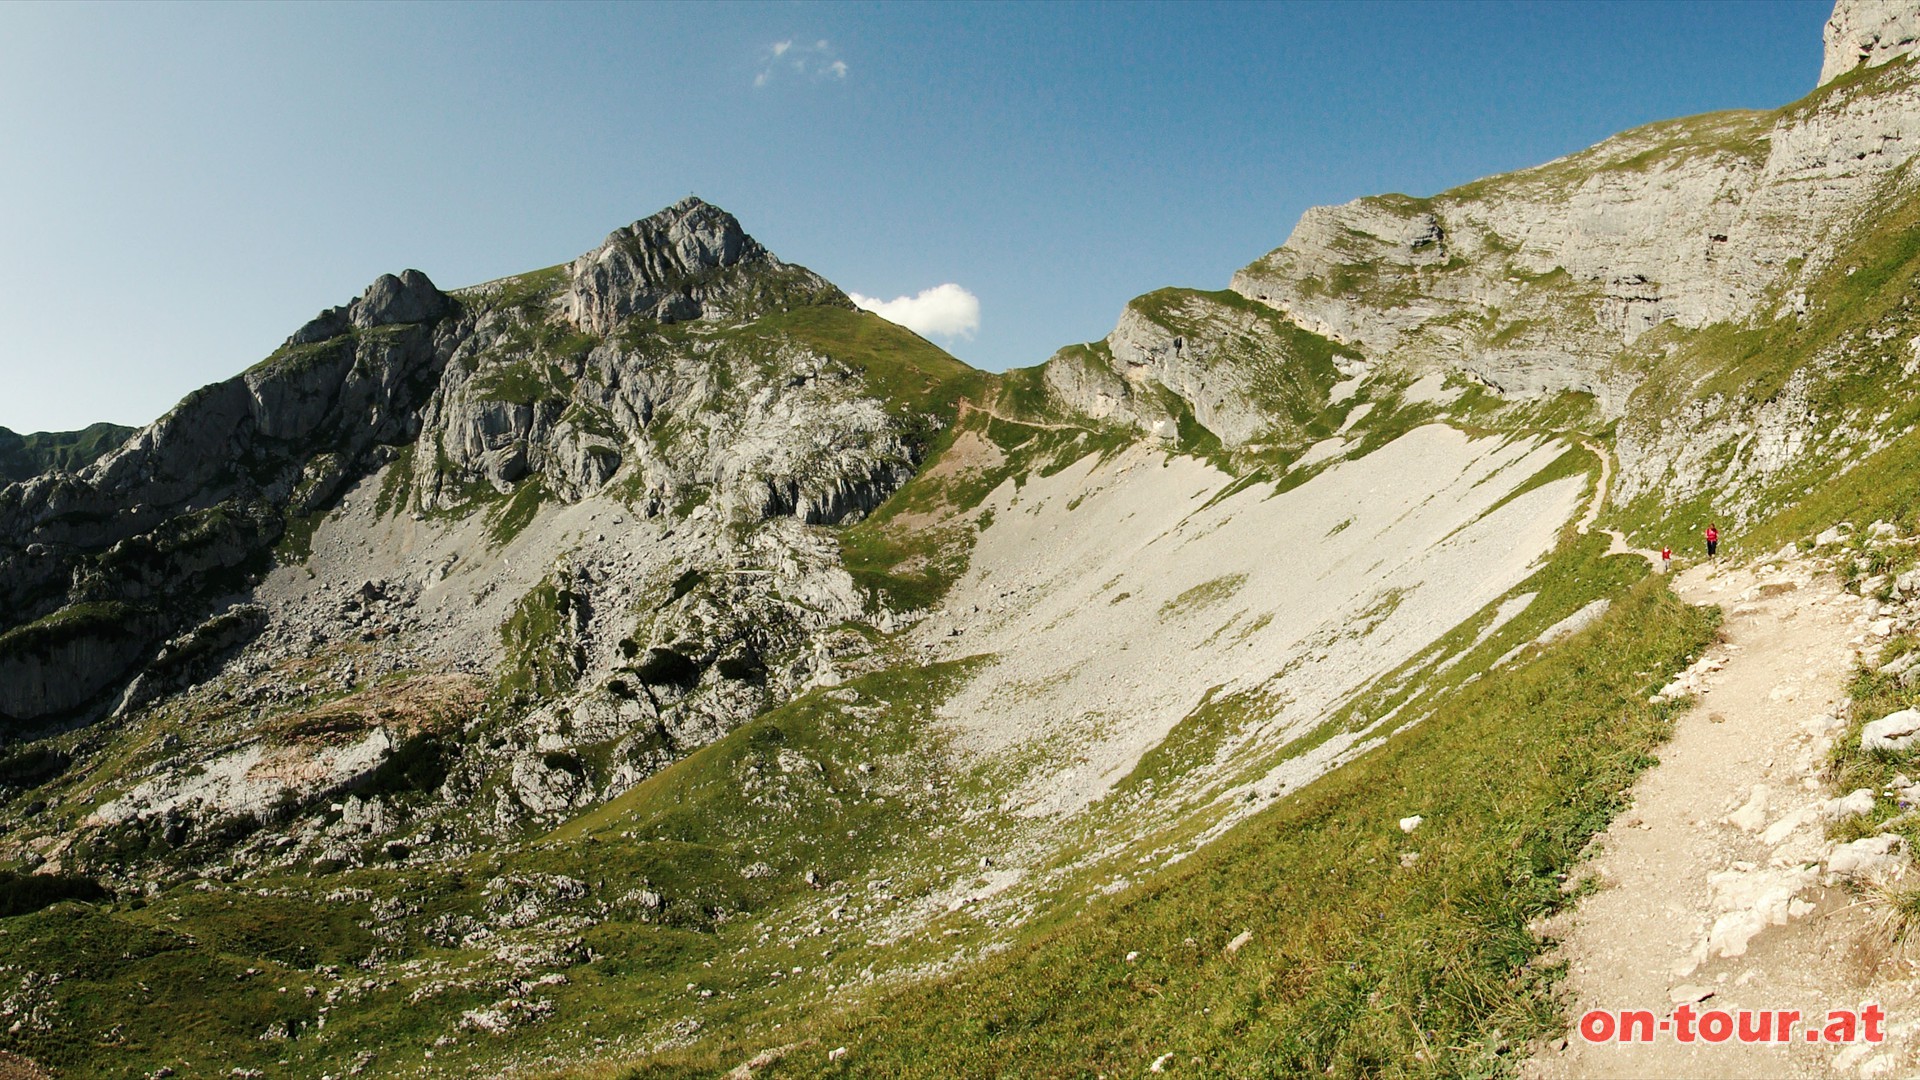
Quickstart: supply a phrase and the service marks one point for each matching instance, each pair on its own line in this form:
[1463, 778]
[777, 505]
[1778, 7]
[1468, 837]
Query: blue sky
[182, 186]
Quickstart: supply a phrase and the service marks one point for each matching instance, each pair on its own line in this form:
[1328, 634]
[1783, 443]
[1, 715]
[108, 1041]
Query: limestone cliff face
[1535, 281]
[1867, 33]
[1623, 271]
[1546, 280]
[1245, 374]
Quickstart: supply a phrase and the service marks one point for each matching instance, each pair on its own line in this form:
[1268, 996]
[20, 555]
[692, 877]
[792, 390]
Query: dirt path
[1710, 889]
[966, 407]
[1599, 491]
[1599, 500]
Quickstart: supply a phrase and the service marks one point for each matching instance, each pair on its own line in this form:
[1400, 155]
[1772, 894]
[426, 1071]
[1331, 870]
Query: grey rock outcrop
[754, 426]
[409, 298]
[689, 261]
[169, 521]
[1604, 273]
[1868, 33]
[1537, 280]
[1246, 374]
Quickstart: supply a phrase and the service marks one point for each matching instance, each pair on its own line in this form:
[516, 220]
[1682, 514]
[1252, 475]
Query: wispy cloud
[799, 60]
[947, 311]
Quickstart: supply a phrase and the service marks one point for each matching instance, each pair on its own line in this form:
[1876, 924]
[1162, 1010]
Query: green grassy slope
[1356, 964]
[26, 456]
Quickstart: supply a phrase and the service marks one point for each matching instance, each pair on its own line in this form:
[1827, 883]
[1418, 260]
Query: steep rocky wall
[1247, 374]
[1535, 281]
[1868, 33]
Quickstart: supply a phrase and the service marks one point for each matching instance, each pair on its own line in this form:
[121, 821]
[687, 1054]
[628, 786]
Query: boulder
[1857, 802]
[1872, 858]
[409, 298]
[1895, 731]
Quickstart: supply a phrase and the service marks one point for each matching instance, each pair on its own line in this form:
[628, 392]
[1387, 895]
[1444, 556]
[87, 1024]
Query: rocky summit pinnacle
[669, 267]
[409, 298]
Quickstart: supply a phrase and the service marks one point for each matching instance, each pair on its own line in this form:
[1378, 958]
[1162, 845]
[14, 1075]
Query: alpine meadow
[656, 665]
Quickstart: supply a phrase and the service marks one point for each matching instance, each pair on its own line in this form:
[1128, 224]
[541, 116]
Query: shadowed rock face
[409, 298]
[172, 521]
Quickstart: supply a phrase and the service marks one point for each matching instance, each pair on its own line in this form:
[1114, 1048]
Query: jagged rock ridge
[643, 360]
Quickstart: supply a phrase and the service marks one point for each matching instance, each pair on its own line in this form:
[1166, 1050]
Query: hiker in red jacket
[1713, 540]
[1666, 559]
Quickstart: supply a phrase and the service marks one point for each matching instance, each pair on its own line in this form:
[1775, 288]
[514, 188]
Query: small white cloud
[947, 311]
[817, 62]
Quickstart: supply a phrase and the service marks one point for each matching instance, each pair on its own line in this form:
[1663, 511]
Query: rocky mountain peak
[664, 267]
[1868, 33]
[408, 298]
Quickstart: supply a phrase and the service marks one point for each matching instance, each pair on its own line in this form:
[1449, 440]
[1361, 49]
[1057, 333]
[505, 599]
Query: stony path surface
[965, 406]
[1712, 889]
[1599, 498]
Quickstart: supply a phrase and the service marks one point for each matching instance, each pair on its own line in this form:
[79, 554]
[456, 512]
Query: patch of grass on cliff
[295, 545]
[910, 374]
[1355, 964]
[1574, 461]
[1022, 393]
[1195, 741]
[396, 484]
[1202, 596]
[25, 456]
[517, 291]
[71, 623]
[1289, 370]
[542, 658]
[511, 517]
[522, 382]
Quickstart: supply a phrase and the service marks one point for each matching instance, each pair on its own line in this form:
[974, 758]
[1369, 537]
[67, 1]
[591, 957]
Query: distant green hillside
[23, 457]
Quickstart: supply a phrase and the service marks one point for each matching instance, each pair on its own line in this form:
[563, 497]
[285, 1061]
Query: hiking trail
[965, 406]
[1710, 889]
